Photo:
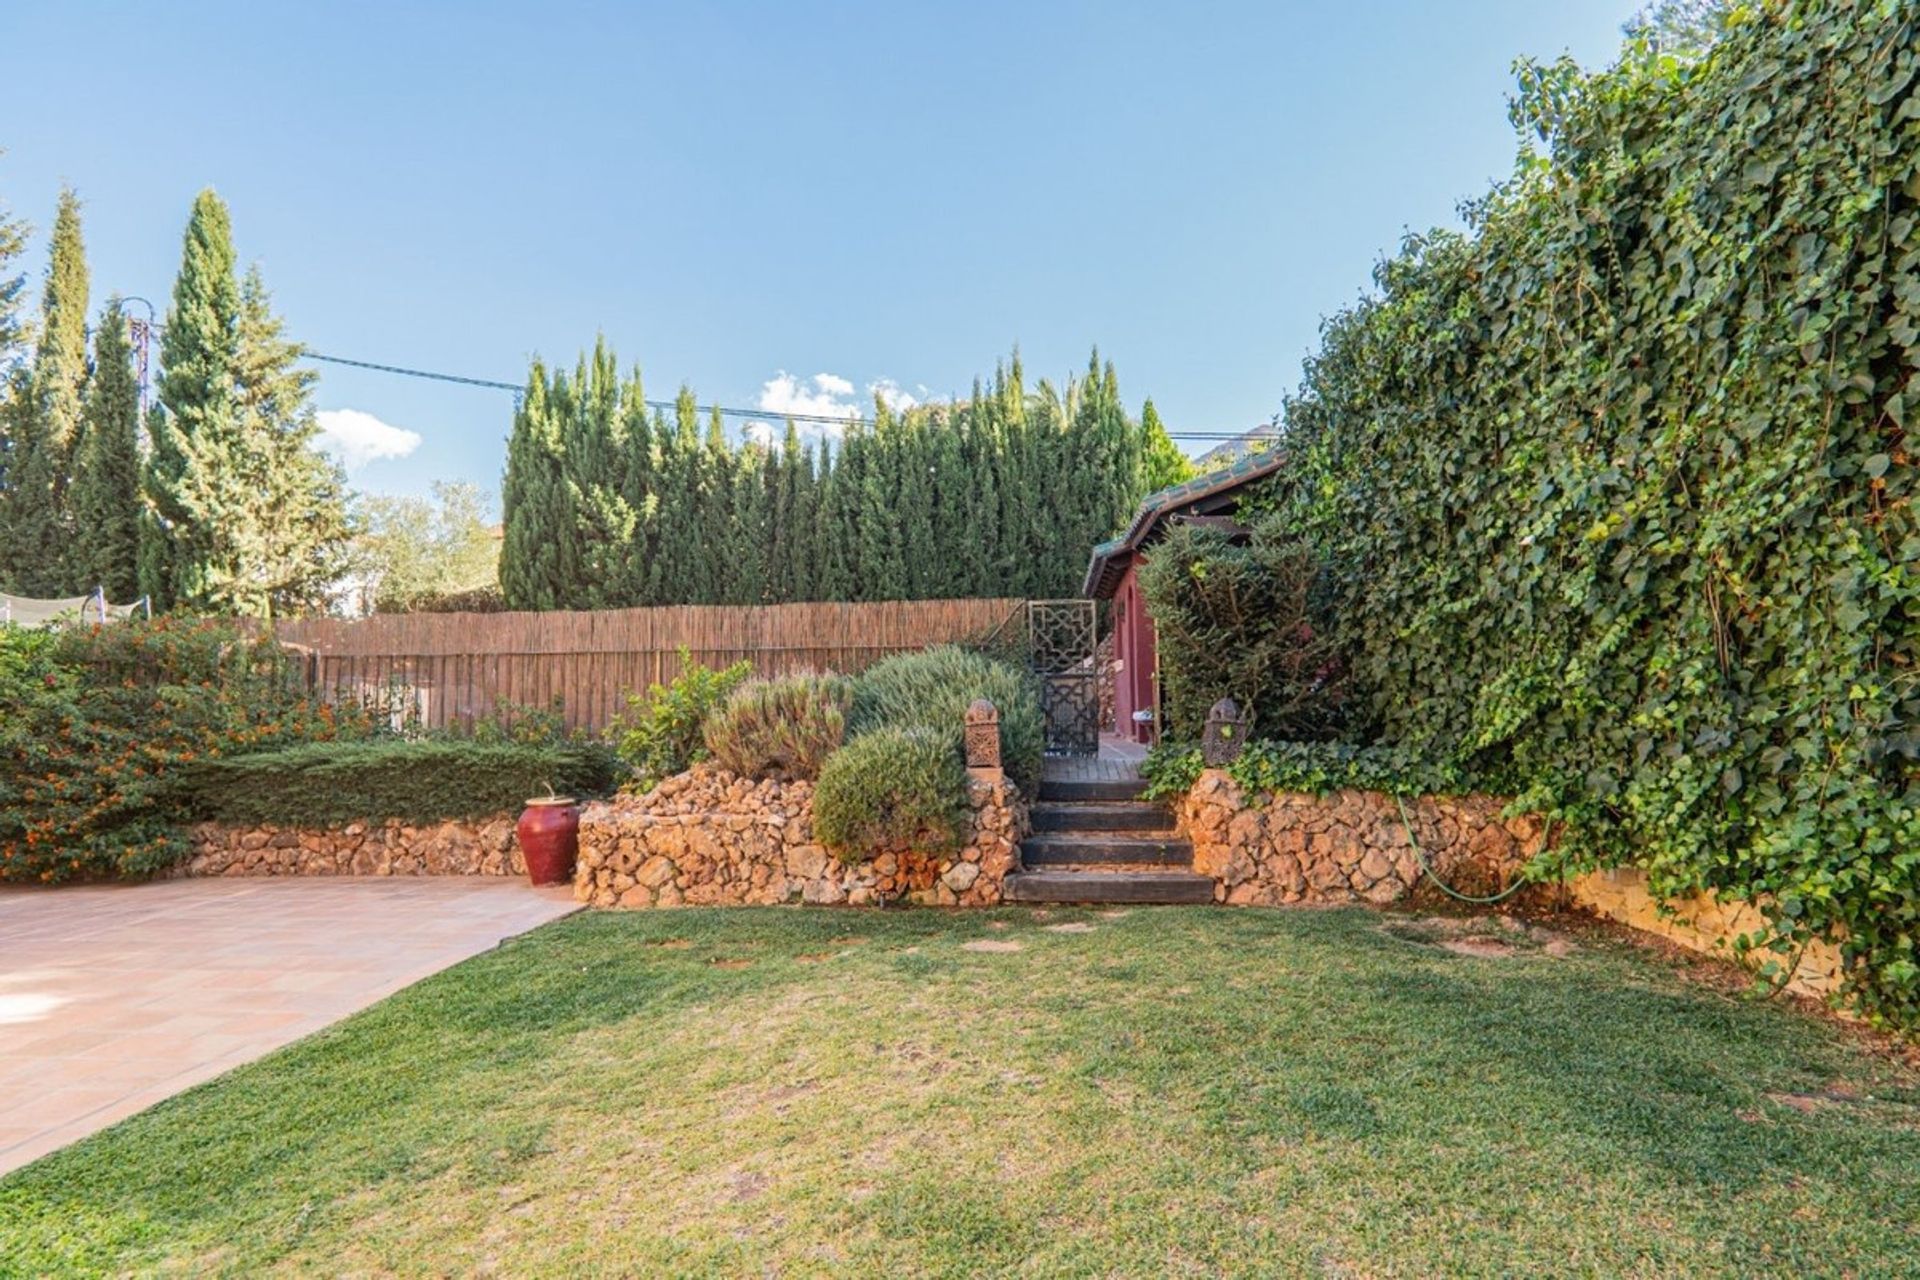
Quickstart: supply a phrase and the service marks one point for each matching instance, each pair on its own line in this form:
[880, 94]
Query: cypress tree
[13, 284]
[532, 562]
[290, 543]
[838, 518]
[713, 515]
[1162, 464]
[39, 536]
[882, 574]
[638, 464]
[779, 482]
[997, 494]
[596, 490]
[747, 579]
[681, 532]
[805, 520]
[106, 480]
[195, 461]
[954, 550]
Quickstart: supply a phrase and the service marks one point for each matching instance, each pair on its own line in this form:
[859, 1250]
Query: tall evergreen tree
[243, 515]
[13, 284]
[292, 544]
[196, 445]
[596, 493]
[998, 494]
[1162, 464]
[804, 562]
[532, 564]
[746, 580]
[638, 466]
[39, 533]
[883, 570]
[106, 478]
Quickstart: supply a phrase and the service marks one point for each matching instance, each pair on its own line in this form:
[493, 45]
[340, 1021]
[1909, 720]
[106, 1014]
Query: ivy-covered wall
[1617, 490]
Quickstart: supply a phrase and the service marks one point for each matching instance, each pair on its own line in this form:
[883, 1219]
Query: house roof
[1203, 495]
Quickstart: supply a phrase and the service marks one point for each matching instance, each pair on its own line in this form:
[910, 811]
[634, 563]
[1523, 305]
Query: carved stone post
[1225, 734]
[983, 741]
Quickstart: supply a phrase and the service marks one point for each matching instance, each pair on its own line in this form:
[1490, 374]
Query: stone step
[1095, 816]
[1084, 849]
[1075, 789]
[1108, 886]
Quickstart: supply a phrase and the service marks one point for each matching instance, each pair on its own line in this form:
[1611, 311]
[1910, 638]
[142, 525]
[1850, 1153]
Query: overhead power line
[760, 415]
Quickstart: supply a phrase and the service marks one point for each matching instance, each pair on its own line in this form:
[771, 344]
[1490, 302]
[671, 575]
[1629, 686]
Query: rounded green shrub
[660, 733]
[891, 786]
[780, 728]
[932, 690]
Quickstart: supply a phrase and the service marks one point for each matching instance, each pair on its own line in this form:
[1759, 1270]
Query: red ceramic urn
[549, 830]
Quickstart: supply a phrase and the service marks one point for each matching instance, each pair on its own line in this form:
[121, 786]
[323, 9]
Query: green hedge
[1615, 489]
[1312, 767]
[328, 783]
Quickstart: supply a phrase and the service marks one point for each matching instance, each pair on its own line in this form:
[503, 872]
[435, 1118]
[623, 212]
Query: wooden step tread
[1095, 815]
[1108, 886]
[1091, 788]
[1081, 848]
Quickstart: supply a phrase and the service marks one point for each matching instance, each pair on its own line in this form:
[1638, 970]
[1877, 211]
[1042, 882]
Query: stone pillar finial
[983, 736]
[1225, 734]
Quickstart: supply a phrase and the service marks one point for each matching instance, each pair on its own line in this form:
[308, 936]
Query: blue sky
[877, 193]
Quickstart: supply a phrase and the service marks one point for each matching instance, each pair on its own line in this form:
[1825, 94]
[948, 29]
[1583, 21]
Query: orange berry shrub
[95, 723]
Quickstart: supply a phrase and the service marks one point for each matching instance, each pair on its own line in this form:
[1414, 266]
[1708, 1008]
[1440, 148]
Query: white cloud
[357, 438]
[824, 395]
[896, 396]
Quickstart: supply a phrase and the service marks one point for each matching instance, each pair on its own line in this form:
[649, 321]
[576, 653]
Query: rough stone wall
[1347, 846]
[1701, 922]
[708, 837]
[481, 847]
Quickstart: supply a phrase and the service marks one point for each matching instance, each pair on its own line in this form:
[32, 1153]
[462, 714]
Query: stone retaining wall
[707, 837]
[480, 847]
[1347, 846]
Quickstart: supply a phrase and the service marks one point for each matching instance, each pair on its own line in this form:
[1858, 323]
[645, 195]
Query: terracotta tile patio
[114, 997]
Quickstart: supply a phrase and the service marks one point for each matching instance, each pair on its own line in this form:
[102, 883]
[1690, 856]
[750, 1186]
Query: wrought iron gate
[1061, 639]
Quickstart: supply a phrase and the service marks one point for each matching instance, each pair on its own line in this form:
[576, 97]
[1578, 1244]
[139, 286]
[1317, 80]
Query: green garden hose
[1446, 888]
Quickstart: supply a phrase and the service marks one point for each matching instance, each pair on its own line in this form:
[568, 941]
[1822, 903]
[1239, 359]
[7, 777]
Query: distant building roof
[1204, 495]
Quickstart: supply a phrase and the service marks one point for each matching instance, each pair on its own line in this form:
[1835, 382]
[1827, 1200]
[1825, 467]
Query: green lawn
[1139, 1093]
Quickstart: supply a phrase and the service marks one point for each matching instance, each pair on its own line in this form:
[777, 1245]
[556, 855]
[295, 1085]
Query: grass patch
[1166, 1093]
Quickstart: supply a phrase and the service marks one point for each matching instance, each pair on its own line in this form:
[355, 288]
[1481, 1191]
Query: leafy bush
[1314, 767]
[522, 723]
[324, 783]
[99, 722]
[780, 728]
[1245, 621]
[932, 690]
[661, 733]
[889, 786]
[1618, 487]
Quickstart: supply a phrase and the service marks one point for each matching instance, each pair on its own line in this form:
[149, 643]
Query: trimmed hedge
[324, 784]
[889, 786]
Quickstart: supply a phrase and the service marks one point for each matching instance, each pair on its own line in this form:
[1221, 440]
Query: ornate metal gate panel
[1061, 637]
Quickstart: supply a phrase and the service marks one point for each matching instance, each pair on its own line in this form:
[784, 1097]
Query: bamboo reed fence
[450, 668]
